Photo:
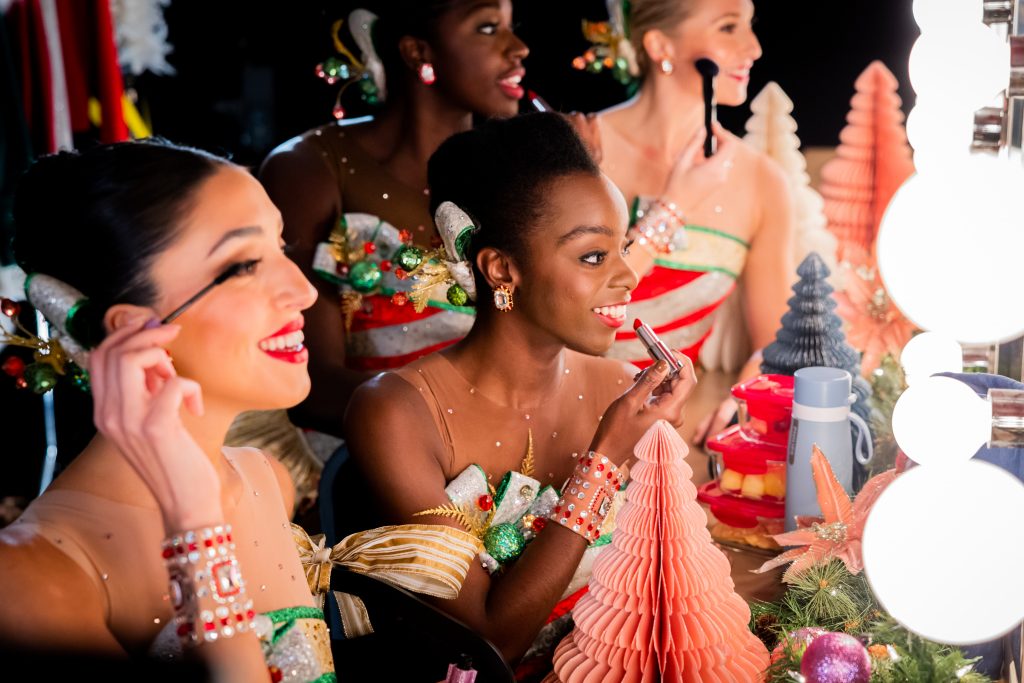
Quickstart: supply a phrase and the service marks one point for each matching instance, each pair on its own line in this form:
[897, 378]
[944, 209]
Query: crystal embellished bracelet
[588, 496]
[206, 586]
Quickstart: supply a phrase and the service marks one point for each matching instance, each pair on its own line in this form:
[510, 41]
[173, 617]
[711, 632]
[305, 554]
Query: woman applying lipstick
[116, 558]
[729, 216]
[514, 404]
[444, 63]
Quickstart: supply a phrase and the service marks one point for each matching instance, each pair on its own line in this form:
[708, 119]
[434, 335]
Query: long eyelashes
[245, 267]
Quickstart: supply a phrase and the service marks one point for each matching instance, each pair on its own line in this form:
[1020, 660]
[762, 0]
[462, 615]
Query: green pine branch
[828, 596]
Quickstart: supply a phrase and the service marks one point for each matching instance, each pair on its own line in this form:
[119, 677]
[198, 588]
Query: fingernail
[662, 366]
[151, 324]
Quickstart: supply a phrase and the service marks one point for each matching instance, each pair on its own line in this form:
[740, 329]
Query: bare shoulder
[48, 600]
[301, 154]
[765, 171]
[255, 458]
[397, 446]
[385, 402]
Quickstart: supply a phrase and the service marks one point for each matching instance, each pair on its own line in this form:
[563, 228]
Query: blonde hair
[653, 15]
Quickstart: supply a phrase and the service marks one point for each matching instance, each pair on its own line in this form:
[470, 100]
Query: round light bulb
[965, 69]
[946, 16]
[941, 421]
[925, 256]
[929, 353]
[937, 554]
[940, 133]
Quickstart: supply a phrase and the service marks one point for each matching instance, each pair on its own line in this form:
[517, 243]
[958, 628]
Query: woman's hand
[589, 130]
[649, 399]
[694, 178]
[715, 421]
[138, 397]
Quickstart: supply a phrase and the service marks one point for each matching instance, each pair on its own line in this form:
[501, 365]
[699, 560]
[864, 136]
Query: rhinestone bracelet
[588, 496]
[206, 586]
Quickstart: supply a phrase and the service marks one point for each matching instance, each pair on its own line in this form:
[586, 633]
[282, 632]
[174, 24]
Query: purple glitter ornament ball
[836, 658]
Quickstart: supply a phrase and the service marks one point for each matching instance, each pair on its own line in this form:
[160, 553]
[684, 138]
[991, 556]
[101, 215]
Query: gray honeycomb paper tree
[812, 334]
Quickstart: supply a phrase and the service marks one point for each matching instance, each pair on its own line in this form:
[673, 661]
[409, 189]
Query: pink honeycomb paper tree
[873, 159]
[661, 604]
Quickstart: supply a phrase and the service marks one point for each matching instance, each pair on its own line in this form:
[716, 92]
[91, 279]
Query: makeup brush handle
[710, 117]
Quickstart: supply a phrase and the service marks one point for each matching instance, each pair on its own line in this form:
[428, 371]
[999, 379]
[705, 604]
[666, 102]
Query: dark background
[246, 77]
[245, 81]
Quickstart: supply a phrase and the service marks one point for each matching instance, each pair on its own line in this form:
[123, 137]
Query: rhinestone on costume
[227, 578]
[457, 296]
[504, 542]
[364, 276]
[408, 257]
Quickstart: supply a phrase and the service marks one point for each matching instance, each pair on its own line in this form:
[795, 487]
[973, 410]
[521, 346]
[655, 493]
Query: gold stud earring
[503, 298]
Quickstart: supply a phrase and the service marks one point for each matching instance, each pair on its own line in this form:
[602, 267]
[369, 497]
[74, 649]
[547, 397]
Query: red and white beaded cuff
[588, 496]
[206, 586]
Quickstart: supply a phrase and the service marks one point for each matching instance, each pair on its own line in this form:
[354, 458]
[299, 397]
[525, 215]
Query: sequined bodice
[680, 295]
[382, 334]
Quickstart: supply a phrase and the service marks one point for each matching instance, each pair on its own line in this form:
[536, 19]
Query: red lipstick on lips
[513, 91]
[297, 354]
[614, 323]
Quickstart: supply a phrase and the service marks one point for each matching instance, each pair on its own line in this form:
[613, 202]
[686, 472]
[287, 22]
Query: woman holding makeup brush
[701, 224]
[157, 539]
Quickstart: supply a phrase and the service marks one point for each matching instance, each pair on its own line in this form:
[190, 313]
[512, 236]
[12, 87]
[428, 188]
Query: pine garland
[828, 596]
[887, 383]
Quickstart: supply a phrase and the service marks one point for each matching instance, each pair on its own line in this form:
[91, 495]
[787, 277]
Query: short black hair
[97, 219]
[497, 173]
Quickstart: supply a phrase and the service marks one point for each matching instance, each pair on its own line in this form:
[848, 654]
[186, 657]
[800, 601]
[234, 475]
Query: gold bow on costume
[432, 559]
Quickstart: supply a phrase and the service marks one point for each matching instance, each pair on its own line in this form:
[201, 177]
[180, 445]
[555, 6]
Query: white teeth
[617, 312]
[513, 80]
[285, 342]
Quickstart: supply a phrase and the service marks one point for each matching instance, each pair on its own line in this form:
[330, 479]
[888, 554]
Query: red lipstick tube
[656, 348]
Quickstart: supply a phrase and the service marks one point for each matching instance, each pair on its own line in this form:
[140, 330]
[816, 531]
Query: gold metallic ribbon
[432, 559]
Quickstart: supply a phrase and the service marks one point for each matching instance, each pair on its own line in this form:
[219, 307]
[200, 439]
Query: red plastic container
[750, 457]
[737, 511]
[766, 407]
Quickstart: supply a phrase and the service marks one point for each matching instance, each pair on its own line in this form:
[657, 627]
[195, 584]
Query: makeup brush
[708, 70]
[231, 272]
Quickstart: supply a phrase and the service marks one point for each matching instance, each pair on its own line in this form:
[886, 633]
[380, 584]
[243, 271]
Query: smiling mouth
[510, 85]
[612, 316]
[284, 343]
[287, 344]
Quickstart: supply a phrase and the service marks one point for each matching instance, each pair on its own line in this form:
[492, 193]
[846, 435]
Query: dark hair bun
[96, 219]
